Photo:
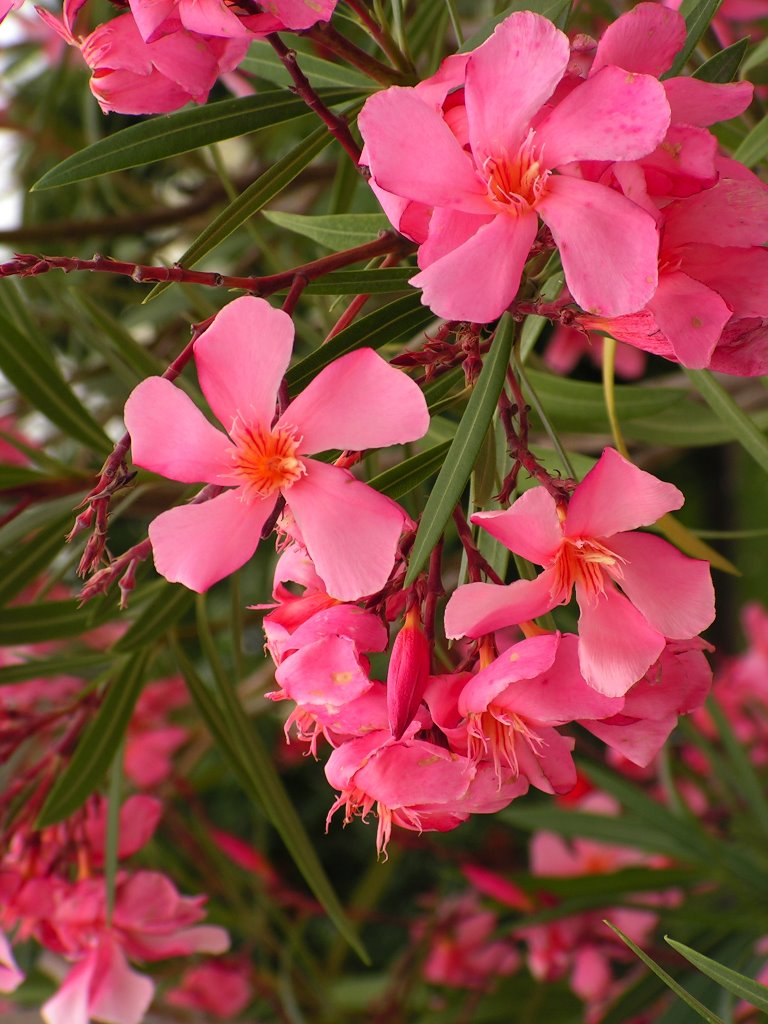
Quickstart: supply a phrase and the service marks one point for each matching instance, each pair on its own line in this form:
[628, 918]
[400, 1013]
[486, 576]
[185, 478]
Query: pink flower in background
[590, 547]
[132, 76]
[486, 167]
[156, 18]
[220, 988]
[350, 531]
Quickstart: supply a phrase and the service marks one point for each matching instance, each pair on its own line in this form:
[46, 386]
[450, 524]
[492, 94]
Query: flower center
[266, 460]
[515, 184]
[495, 734]
[584, 562]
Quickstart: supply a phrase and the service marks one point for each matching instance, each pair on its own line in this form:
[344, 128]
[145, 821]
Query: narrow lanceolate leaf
[361, 282]
[748, 783]
[240, 745]
[98, 743]
[59, 665]
[464, 449]
[755, 147]
[24, 564]
[758, 56]
[171, 602]
[396, 322]
[264, 62]
[335, 231]
[172, 134]
[698, 14]
[268, 185]
[42, 384]
[747, 434]
[403, 478]
[724, 66]
[51, 620]
[668, 980]
[737, 984]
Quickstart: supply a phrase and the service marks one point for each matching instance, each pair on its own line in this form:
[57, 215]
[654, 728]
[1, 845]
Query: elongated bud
[407, 675]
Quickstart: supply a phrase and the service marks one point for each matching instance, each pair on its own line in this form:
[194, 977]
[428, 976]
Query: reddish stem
[327, 36]
[475, 562]
[357, 304]
[435, 591]
[380, 35]
[335, 124]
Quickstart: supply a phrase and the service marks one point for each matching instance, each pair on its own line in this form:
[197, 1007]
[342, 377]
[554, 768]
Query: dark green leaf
[241, 746]
[60, 664]
[724, 66]
[403, 478]
[755, 147]
[746, 432]
[41, 383]
[96, 747]
[264, 62]
[141, 362]
[698, 14]
[335, 231]
[20, 476]
[735, 983]
[758, 56]
[171, 602]
[265, 188]
[159, 138]
[464, 449]
[51, 620]
[396, 322]
[362, 282]
[668, 980]
[748, 783]
[25, 563]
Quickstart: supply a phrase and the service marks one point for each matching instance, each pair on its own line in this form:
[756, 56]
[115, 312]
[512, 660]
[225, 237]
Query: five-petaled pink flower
[590, 546]
[350, 530]
[484, 158]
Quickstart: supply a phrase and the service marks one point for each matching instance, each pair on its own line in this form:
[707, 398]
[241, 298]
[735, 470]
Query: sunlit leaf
[335, 231]
[737, 984]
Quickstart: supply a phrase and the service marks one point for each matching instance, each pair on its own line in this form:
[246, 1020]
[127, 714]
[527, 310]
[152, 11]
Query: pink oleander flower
[220, 988]
[590, 546]
[10, 975]
[156, 18]
[132, 76]
[568, 344]
[499, 152]
[350, 531]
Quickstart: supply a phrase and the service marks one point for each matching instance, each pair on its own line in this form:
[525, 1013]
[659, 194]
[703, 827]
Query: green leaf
[749, 436]
[268, 185]
[724, 66]
[163, 611]
[160, 138]
[668, 980]
[407, 475]
[748, 782]
[112, 836]
[51, 620]
[20, 476]
[698, 14]
[25, 563]
[241, 746]
[396, 322]
[758, 56]
[361, 282]
[464, 449]
[39, 668]
[755, 147]
[556, 10]
[335, 231]
[264, 62]
[737, 984]
[98, 742]
[141, 362]
[42, 384]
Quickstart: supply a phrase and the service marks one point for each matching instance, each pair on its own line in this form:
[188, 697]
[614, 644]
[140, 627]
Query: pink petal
[211, 18]
[300, 14]
[242, 358]
[70, 1004]
[615, 496]
[548, 764]
[170, 436]
[638, 741]
[509, 78]
[448, 229]
[118, 994]
[479, 608]
[531, 527]
[350, 403]
[198, 545]
[150, 15]
[608, 245]
[10, 975]
[704, 103]
[479, 279]
[691, 315]
[643, 40]
[616, 644]
[683, 164]
[413, 153]
[611, 116]
[672, 591]
[411, 773]
[739, 276]
[521, 662]
[350, 530]
[327, 672]
[731, 213]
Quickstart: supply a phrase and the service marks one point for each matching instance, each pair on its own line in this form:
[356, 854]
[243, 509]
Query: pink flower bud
[407, 675]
